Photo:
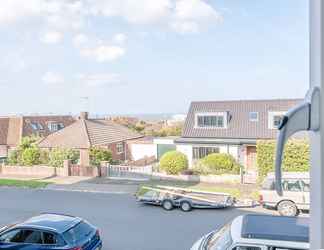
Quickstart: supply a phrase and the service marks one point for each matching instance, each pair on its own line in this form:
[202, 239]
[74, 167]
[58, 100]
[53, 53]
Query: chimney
[84, 115]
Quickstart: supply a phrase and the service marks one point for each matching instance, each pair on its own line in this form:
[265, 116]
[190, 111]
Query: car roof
[271, 230]
[58, 223]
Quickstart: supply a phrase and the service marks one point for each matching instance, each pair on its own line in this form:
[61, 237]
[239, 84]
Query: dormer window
[274, 119]
[54, 126]
[211, 120]
[36, 126]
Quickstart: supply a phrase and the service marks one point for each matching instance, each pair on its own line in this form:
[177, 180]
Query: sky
[149, 56]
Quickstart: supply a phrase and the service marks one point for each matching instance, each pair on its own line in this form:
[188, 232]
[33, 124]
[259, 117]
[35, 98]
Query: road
[124, 224]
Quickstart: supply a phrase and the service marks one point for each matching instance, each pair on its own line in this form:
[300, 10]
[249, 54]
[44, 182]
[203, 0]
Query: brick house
[85, 133]
[13, 128]
[231, 127]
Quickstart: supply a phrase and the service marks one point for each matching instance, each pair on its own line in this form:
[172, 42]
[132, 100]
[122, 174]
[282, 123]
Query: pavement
[124, 224]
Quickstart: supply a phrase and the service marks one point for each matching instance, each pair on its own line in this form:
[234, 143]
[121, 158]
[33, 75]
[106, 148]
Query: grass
[23, 183]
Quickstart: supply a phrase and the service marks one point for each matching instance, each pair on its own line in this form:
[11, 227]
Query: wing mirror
[304, 117]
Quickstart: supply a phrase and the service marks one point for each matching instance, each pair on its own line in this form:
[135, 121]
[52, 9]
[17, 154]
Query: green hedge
[296, 156]
[58, 155]
[217, 163]
[173, 162]
[98, 155]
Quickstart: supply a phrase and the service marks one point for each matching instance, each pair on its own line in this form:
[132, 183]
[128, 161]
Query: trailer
[183, 198]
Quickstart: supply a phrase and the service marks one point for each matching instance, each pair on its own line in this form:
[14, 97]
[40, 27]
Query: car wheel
[287, 208]
[167, 205]
[185, 206]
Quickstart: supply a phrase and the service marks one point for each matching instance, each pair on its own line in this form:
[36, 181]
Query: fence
[129, 172]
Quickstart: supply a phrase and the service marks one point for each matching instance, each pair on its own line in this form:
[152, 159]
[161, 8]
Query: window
[291, 185]
[53, 126]
[36, 126]
[201, 152]
[120, 147]
[22, 236]
[254, 116]
[221, 239]
[211, 120]
[247, 248]
[79, 232]
[49, 239]
[274, 119]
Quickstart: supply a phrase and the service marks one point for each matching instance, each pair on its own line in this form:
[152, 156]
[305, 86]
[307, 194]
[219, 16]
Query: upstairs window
[254, 116]
[274, 119]
[36, 126]
[54, 126]
[211, 120]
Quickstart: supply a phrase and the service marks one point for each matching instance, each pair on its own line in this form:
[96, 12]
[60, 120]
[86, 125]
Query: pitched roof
[87, 133]
[239, 125]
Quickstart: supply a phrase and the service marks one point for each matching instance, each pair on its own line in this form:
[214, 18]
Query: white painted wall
[140, 151]
[166, 140]
[187, 150]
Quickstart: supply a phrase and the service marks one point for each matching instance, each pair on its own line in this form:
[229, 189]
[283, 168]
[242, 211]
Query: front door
[251, 159]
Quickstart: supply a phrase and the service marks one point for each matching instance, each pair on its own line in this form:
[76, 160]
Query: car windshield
[78, 233]
[220, 239]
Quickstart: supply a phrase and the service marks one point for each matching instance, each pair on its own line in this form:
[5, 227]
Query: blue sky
[149, 56]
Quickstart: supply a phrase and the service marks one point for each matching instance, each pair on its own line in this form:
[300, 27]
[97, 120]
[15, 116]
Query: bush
[98, 155]
[173, 162]
[217, 164]
[13, 157]
[30, 156]
[296, 156]
[58, 155]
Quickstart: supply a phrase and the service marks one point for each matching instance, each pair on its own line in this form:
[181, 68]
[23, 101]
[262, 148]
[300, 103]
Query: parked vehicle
[258, 232]
[295, 193]
[51, 232]
[185, 199]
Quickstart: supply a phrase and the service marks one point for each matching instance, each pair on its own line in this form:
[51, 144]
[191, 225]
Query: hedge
[217, 163]
[296, 156]
[174, 162]
[98, 155]
[58, 155]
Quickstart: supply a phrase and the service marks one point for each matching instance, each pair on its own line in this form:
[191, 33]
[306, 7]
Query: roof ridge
[250, 100]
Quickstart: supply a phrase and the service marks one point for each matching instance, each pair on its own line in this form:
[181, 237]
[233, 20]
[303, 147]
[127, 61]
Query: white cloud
[119, 38]
[96, 80]
[190, 15]
[52, 37]
[80, 39]
[52, 78]
[103, 53]
[14, 10]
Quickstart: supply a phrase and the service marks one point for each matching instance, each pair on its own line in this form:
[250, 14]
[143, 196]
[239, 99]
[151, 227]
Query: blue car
[51, 232]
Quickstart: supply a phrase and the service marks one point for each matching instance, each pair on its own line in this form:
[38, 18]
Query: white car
[258, 232]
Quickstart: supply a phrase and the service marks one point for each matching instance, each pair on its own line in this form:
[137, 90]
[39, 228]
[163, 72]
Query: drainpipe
[317, 138]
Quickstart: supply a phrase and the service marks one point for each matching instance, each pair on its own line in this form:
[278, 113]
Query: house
[231, 127]
[13, 128]
[85, 133]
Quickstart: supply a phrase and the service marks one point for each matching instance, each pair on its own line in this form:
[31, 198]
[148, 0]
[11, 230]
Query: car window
[78, 232]
[291, 185]
[306, 185]
[49, 238]
[22, 236]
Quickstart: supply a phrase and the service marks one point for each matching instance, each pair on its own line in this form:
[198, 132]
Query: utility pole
[317, 138]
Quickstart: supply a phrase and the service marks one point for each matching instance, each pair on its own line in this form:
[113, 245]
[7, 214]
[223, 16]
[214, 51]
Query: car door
[21, 239]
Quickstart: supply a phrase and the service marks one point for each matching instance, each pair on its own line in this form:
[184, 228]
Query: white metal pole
[317, 138]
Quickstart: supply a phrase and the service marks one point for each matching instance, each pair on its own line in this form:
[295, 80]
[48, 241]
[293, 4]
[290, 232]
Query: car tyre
[287, 208]
[185, 206]
[167, 205]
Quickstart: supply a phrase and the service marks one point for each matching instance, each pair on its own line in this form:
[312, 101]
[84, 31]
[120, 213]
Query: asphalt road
[124, 224]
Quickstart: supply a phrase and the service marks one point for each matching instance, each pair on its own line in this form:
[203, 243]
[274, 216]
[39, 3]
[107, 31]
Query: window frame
[271, 116]
[118, 148]
[254, 119]
[194, 148]
[224, 116]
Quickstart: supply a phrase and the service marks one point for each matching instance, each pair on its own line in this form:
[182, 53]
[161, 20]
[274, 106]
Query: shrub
[13, 157]
[30, 156]
[58, 155]
[217, 164]
[173, 162]
[296, 156]
[98, 155]
[44, 157]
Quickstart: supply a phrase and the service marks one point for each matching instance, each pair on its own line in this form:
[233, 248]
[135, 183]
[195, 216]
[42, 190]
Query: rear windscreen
[79, 232]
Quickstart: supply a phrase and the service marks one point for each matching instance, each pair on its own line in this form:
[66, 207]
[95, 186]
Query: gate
[129, 172]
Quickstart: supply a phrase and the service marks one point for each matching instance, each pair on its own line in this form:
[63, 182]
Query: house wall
[3, 150]
[142, 150]
[119, 156]
[187, 150]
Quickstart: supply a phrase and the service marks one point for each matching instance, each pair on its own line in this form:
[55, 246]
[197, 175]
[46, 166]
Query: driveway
[124, 223]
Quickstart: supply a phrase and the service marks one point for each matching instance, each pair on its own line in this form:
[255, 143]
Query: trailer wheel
[185, 206]
[167, 205]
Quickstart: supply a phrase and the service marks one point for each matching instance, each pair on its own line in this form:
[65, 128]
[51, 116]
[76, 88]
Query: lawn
[23, 183]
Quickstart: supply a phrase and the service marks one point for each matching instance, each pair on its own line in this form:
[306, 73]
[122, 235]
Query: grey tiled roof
[239, 125]
[87, 133]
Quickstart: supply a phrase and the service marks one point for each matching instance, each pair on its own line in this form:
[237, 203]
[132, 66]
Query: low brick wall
[225, 178]
[41, 171]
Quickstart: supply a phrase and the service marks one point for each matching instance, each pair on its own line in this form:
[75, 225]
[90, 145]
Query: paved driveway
[124, 224]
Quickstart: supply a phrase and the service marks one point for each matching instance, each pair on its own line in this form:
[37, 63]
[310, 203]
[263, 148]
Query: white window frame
[257, 116]
[223, 114]
[118, 146]
[271, 115]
